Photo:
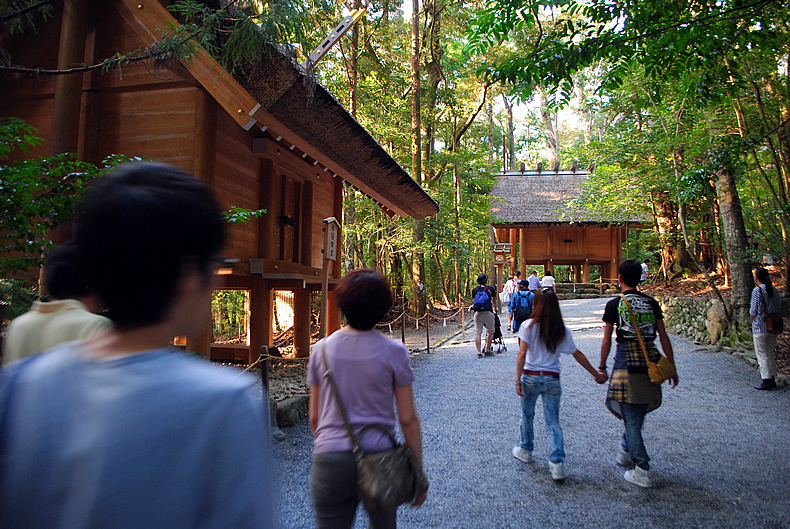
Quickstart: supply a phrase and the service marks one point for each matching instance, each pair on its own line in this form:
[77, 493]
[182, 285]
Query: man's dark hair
[138, 228]
[647, 261]
[63, 276]
[364, 296]
[518, 273]
[631, 271]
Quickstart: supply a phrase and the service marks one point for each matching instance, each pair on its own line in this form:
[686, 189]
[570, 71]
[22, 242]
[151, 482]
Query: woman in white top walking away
[548, 281]
[544, 338]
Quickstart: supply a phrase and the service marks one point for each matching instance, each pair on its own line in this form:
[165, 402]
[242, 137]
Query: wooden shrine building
[272, 139]
[533, 226]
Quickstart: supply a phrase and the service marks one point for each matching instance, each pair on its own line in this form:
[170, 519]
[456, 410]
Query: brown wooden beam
[64, 136]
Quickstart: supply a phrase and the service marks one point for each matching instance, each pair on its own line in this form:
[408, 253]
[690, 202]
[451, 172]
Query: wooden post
[201, 343]
[522, 252]
[428, 331]
[403, 327]
[463, 325]
[260, 316]
[302, 315]
[331, 244]
[586, 271]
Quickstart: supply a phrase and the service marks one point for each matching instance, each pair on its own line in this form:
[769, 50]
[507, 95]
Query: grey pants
[333, 483]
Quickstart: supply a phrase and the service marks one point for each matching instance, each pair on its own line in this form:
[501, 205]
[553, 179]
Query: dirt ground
[697, 286]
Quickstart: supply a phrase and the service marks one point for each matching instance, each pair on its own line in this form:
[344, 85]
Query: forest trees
[687, 82]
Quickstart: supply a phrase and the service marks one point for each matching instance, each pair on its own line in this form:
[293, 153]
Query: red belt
[542, 373]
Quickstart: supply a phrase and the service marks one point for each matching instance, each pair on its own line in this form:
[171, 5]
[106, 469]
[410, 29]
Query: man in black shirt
[631, 394]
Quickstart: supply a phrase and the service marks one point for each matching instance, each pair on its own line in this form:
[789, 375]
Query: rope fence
[404, 316]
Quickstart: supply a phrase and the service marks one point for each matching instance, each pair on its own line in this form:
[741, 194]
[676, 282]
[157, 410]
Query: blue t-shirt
[154, 439]
[367, 367]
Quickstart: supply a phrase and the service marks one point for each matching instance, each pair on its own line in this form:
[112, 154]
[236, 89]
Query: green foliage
[229, 315]
[36, 196]
[17, 16]
[17, 297]
[236, 215]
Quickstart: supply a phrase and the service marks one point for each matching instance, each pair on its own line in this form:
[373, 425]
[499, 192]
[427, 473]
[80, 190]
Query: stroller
[497, 342]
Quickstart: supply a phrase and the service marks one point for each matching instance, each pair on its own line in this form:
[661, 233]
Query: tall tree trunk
[418, 261]
[491, 153]
[735, 237]
[511, 141]
[548, 128]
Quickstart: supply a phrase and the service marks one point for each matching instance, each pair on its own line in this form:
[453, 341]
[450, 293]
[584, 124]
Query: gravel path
[719, 448]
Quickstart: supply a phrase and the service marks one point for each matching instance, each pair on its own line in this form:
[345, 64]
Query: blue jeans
[550, 389]
[633, 419]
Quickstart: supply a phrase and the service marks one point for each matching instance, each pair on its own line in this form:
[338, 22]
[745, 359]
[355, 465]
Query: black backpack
[523, 306]
[482, 300]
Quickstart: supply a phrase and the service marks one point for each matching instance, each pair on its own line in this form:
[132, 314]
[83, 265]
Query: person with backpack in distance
[543, 339]
[483, 307]
[521, 304]
[510, 288]
[631, 394]
[766, 301]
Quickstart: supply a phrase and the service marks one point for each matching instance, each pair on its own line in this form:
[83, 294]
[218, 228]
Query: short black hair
[64, 278]
[138, 227]
[631, 271]
[364, 297]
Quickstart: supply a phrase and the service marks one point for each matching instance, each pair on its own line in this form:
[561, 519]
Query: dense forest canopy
[681, 106]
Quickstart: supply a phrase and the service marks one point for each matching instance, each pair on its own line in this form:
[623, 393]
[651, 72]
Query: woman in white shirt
[548, 281]
[544, 338]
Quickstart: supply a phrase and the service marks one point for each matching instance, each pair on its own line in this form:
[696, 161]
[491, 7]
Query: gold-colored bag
[657, 371]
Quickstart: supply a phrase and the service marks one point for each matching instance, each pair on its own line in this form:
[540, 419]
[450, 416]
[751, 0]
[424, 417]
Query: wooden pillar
[201, 342]
[332, 314]
[205, 138]
[260, 316]
[302, 313]
[306, 223]
[522, 252]
[577, 272]
[549, 265]
[269, 199]
[66, 110]
[586, 272]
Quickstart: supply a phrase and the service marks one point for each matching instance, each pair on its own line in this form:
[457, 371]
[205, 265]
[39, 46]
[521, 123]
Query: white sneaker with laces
[639, 476]
[557, 471]
[525, 456]
[624, 459]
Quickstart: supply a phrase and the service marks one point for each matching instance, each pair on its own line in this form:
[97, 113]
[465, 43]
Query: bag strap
[340, 405]
[636, 328]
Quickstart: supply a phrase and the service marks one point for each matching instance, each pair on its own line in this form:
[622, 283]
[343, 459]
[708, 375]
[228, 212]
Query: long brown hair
[548, 318]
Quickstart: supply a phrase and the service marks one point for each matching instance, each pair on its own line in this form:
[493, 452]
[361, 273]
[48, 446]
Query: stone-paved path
[720, 450]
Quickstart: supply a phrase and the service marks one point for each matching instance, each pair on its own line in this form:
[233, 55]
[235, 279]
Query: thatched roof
[284, 89]
[532, 197]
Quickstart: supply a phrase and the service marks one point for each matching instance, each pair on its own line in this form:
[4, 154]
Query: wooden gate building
[272, 140]
[531, 214]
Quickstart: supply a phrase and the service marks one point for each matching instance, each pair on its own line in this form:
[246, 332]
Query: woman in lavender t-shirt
[371, 372]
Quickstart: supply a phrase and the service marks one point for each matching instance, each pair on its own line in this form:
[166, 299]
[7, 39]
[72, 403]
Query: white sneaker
[557, 471]
[525, 456]
[639, 476]
[624, 459]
